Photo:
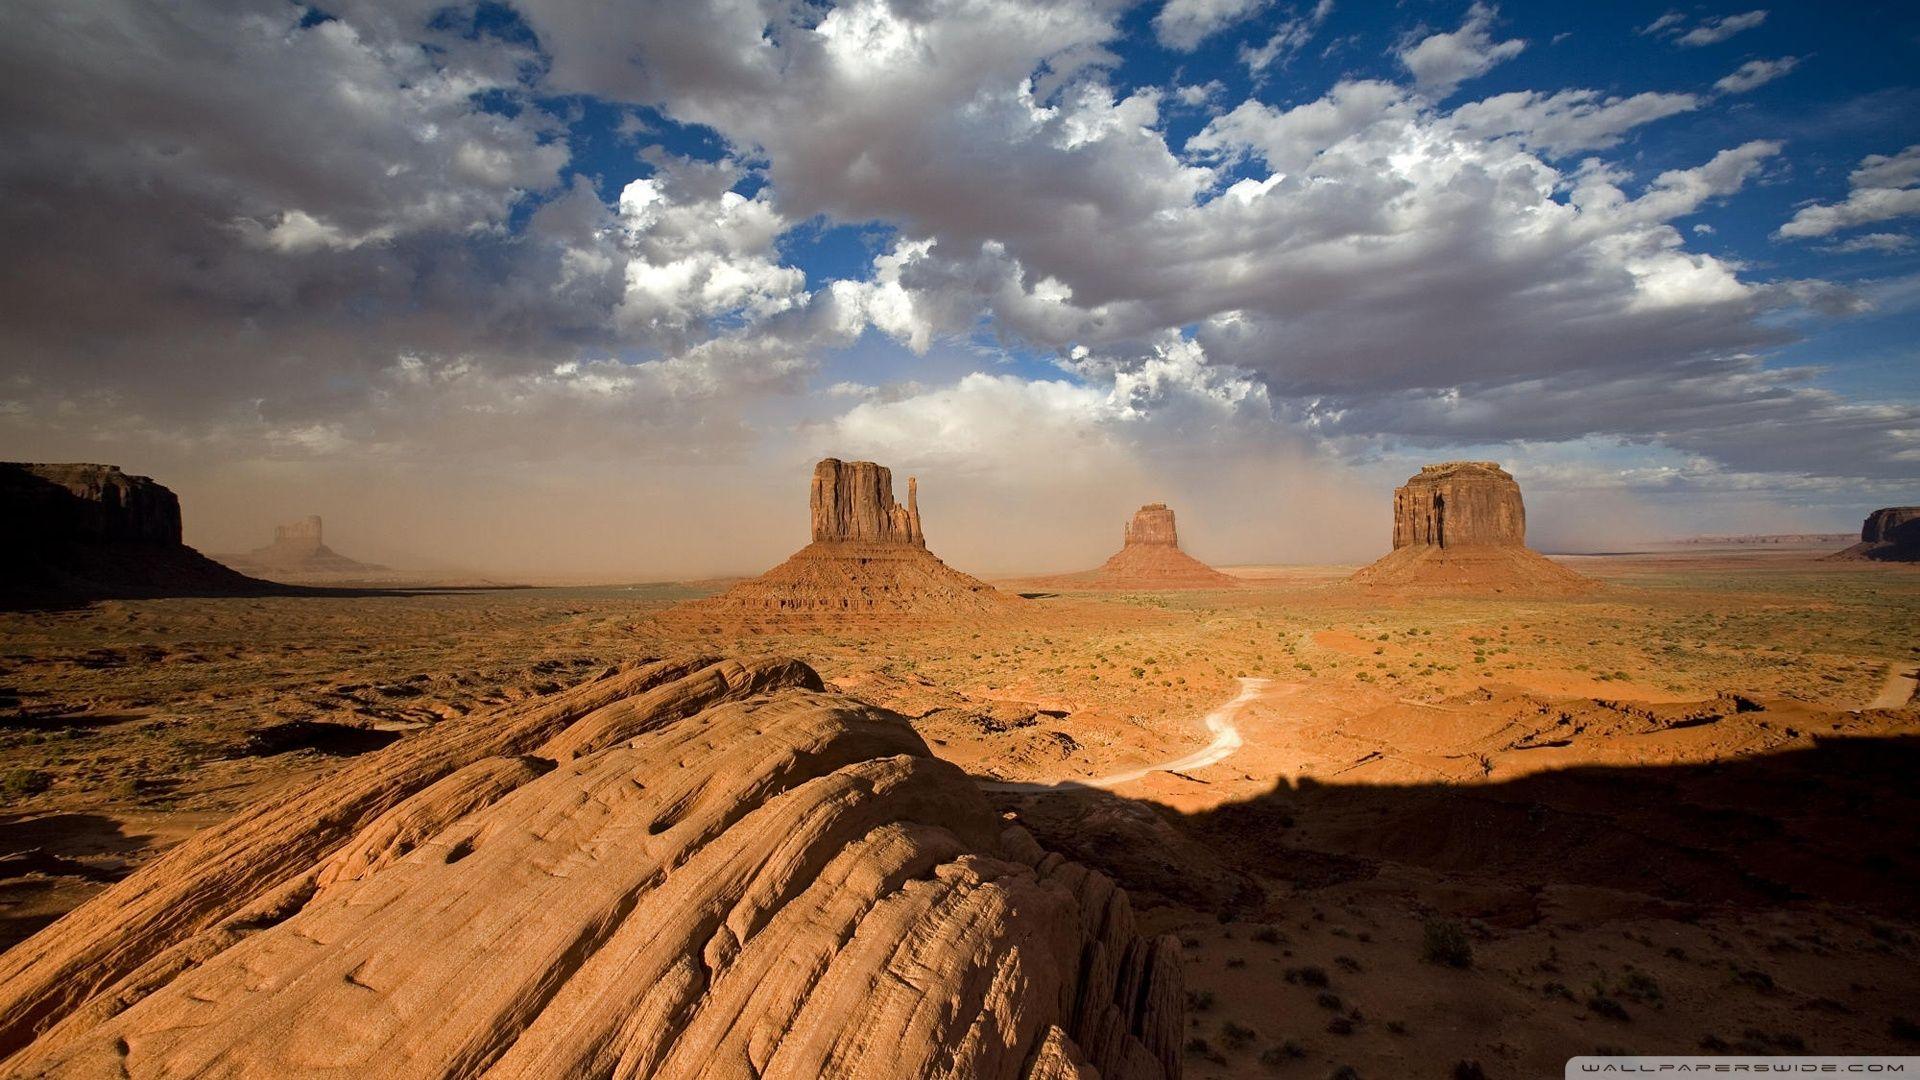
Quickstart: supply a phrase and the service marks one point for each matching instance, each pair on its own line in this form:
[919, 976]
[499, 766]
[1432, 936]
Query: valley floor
[1674, 815]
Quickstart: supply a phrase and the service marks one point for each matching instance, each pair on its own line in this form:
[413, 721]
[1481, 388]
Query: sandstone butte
[1150, 558]
[1461, 526]
[299, 547]
[1890, 534]
[684, 867]
[83, 532]
[868, 559]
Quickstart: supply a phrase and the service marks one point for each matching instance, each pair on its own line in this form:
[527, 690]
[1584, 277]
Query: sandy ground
[1671, 816]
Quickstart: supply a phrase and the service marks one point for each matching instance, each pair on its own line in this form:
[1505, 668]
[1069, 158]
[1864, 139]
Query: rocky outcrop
[83, 532]
[299, 553]
[1890, 534]
[1461, 526]
[1459, 504]
[1151, 526]
[64, 504]
[852, 502]
[868, 560]
[683, 868]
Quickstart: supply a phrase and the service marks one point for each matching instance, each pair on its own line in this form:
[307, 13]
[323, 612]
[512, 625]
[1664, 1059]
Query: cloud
[444, 288]
[1182, 25]
[1440, 62]
[1708, 31]
[1882, 243]
[1288, 38]
[1570, 120]
[1882, 188]
[1755, 73]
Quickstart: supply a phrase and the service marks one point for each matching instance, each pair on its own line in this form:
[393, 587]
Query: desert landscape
[959, 539]
[1464, 809]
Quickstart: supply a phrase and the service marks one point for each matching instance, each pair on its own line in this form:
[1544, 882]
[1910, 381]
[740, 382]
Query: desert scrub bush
[1602, 1005]
[20, 783]
[1444, 941]
[1237, 1036]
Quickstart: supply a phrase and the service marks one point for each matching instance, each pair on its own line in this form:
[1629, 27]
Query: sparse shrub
[1267, 935]
[1602, 1005]
[1329, 1000]
[1238, 1036]
[1469, 1070]
[1308, 976]
[1344, 1072]
[1200, 1000]
[1339, 1025]
[1444, 941]
[20, 783]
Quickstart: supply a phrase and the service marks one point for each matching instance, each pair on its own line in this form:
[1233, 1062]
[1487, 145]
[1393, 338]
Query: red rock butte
[1890, 534]
[868, 558]
[1462, 526]
[1150, 558]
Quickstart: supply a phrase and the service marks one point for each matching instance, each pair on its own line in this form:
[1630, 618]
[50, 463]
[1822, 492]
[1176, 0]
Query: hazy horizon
[543, 293]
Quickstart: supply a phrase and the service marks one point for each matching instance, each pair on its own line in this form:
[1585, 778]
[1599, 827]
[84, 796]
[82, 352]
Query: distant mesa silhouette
[77, 532]
[1462, 526]
[1890, 534]
[868, 558]
[1149, 558]
[298, 548]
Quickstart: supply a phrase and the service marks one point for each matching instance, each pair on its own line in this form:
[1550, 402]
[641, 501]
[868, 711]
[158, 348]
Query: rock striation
[299, 552]
[868, 559]
[1462, 526]
[1149, 558]
[1890, 534]
[852, 502]
[686, 867]
[75, 532]
[1459, 504]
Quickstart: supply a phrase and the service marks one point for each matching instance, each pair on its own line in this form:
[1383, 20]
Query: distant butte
[1890, 534]
[1150, 558]
[1461, 526]
[868, 558]
[298, 550]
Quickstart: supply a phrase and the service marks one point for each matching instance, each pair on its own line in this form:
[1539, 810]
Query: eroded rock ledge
[691, 867]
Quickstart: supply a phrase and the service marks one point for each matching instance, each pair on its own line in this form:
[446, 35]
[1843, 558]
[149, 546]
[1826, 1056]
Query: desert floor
[1678, 814]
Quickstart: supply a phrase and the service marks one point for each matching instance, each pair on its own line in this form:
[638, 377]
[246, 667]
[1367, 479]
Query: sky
[563, 289]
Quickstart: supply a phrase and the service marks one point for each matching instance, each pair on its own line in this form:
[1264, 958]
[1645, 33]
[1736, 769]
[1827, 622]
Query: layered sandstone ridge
[1461, 526]
[1890, 534]
[691, 867]
[71, 532]
[868, 559]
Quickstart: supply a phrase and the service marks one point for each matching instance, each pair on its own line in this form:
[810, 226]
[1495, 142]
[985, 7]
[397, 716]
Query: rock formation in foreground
[1461, 526]
[1890, 534]
[1150, 558]
[90, 532]
[868, 558]
[299, 552]
[691, 867]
